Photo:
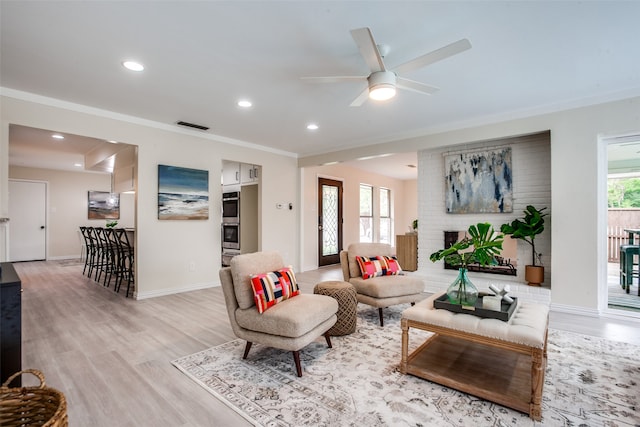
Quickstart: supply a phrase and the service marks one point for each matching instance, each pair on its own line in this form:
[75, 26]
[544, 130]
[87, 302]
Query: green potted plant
[480, 246]
[527, 228]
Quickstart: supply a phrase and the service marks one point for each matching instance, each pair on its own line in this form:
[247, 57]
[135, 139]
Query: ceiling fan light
[382, 92]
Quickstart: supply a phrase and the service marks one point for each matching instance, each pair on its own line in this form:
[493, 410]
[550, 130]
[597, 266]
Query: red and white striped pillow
[272, 287]
[377, 266]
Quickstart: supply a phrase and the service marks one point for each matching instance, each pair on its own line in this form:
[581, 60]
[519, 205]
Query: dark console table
[11, 325]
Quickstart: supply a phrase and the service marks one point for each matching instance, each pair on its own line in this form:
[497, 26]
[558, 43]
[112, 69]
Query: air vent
[192, 125]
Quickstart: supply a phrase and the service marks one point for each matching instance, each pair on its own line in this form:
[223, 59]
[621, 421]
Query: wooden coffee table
[503, 362]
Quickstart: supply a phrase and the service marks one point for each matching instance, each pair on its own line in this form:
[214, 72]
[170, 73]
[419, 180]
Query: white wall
[67, 206]
[403, 200]
[531, 183]
[165, 249]
[406, 213]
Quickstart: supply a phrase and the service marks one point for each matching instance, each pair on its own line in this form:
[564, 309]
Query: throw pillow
[393, 266]
[377, 266]
[272, 287]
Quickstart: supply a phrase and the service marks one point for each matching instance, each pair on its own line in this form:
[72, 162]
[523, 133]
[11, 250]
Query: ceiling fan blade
[364, 95]
[334, 79]
[414, 86]
[434, 56]
[368, 49]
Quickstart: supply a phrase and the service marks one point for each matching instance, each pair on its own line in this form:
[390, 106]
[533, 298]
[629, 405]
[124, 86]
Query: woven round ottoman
[345, 294]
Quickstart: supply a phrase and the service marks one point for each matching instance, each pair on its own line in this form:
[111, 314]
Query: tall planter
[534, 274]
[527, 229]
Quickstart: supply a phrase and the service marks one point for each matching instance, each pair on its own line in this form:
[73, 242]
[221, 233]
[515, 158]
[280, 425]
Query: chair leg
[246, 349]
[296, 358]
[381, 318]
[328, 338]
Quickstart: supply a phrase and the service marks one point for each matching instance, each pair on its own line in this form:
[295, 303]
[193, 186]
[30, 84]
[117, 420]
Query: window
[385, 215]
[375, 214]
[366, 213]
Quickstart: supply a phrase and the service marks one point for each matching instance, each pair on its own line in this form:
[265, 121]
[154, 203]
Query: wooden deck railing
[616, 237]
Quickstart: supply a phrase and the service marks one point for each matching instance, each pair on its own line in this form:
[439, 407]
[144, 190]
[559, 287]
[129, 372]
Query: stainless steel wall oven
[231, 236]
[231, 207]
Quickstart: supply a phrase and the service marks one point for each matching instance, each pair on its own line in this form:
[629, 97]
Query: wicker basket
[32, 406]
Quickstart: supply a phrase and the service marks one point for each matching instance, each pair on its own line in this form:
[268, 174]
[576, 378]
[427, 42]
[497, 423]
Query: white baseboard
[572, 309]
[61, 257]
[178, 290]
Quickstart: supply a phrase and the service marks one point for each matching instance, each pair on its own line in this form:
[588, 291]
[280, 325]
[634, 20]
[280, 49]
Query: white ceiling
[202, 57]
[37, 148]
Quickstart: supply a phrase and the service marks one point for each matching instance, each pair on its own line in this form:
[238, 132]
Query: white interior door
[27, 216]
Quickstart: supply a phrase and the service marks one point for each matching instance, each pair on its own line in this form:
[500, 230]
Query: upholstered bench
[503, 362]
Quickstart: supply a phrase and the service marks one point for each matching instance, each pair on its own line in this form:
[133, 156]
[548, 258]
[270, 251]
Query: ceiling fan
[382, 82]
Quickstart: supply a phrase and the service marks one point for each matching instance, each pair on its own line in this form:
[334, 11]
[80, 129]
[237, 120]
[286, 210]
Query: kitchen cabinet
[407, 251]
[230, 173]
[234, 173]
[11, 325]
[249, 174]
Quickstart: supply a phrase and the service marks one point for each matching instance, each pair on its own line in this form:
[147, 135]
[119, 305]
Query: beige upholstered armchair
[289, 325]
[382, 291]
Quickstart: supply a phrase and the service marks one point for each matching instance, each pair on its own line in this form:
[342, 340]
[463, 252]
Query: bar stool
[89, 249]
[126, 261]
[106, 255]
[627, 263]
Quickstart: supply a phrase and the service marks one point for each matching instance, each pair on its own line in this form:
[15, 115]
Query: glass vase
[462, 291]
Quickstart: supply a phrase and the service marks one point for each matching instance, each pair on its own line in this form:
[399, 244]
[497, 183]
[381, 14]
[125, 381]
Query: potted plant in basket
[480, 246]
[527, 229]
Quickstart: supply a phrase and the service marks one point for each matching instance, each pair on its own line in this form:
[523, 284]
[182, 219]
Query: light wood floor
[111, 356]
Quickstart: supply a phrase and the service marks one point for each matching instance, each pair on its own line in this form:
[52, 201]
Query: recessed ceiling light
[111, 141]
[312, 126]
[244, 103]
[133, 65]
[78, 165]
[57, 136]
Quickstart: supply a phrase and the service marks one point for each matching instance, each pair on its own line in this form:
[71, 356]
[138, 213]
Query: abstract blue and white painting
[182, 193]
[479, 182]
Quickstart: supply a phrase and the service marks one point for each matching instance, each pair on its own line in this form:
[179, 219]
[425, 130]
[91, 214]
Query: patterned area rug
[589, 382]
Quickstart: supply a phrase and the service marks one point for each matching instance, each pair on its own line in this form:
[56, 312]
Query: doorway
[28, 213]
[623, 213]
[329, 221]
[72, 165]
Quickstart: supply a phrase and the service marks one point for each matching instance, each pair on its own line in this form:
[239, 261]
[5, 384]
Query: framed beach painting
[183, 193]
[103, 205]
[479, 182]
